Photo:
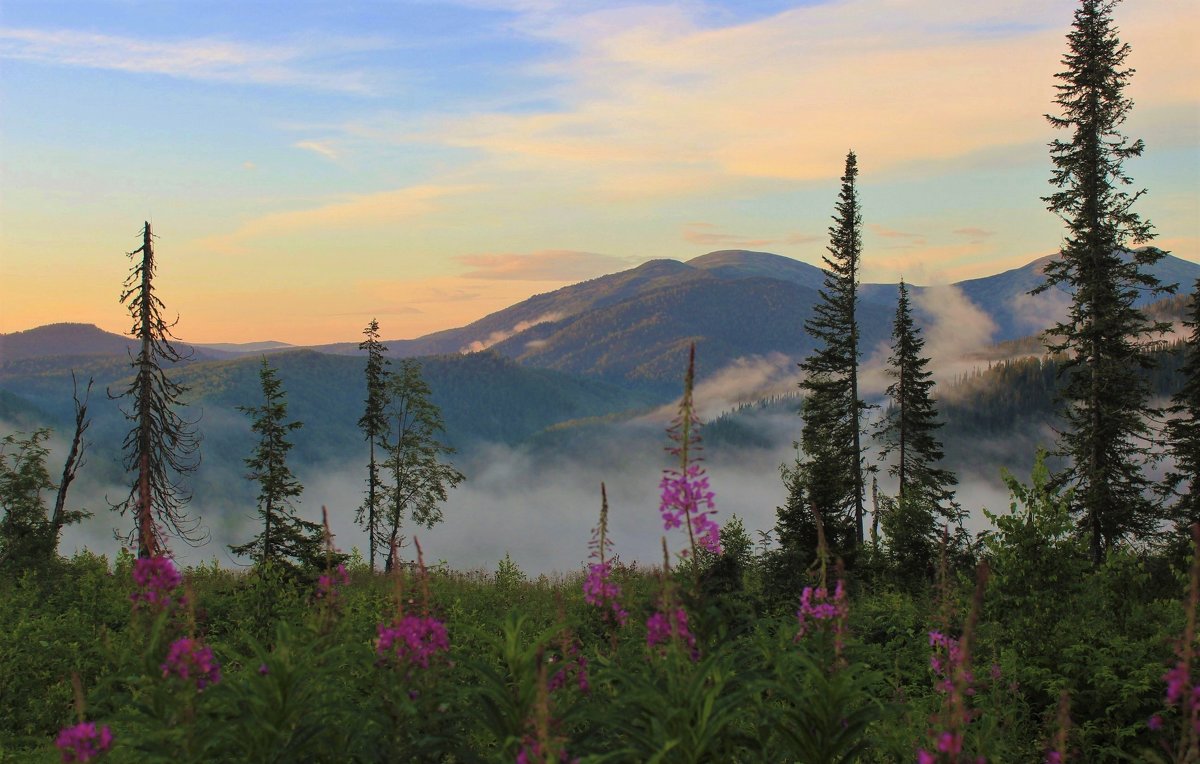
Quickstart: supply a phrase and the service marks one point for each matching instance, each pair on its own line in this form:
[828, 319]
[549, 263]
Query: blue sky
[308, 166]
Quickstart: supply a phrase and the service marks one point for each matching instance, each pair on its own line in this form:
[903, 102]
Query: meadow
[1018, 650]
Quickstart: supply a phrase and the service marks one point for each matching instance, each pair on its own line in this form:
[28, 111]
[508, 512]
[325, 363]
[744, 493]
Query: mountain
[82, 340]
[644, 340]
[744, 264]
[63, 339]
[633, 327]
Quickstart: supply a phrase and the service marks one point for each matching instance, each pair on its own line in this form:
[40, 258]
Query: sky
[308, 166]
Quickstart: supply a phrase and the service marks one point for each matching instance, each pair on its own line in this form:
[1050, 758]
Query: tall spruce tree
[908, 431]
[1106, 397]
[162, 447]
[1183, 431]
[420, 479]
[831, 435]
[374, 424]
[287, 541]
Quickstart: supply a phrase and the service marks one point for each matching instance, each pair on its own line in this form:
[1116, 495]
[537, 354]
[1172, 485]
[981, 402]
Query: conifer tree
[420, 479]
[287, 540]
[908, 431]
[162, 447]
[831, 436]
[374, 425]
[1183, 430]
[1105, 396]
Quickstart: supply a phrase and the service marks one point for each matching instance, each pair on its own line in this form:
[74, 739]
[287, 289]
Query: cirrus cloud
[543, 265]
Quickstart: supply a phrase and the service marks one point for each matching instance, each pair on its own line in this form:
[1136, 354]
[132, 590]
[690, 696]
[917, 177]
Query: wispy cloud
[544, 265]
[208, 59]
[380, 208]
[974, 233]
[708, 235]
[324, 148]
[901, 239]
[663, 89]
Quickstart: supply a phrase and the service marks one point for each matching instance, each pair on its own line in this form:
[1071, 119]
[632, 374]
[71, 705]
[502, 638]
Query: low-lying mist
[538, 502]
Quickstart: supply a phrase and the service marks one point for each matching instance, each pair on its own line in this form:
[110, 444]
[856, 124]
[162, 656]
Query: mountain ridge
[633, 326]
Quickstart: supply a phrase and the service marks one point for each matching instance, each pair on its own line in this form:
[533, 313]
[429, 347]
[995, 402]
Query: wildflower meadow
[1018, 651]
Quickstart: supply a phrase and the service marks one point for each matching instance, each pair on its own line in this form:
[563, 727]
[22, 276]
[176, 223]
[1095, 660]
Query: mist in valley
[539, 501]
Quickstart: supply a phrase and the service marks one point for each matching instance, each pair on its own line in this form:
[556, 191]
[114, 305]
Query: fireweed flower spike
[686, 500]
[818, 609]
[411, 640]
[670, 622]
[951, 663]
[598, 588]
[156, 578]
[329, 583]
[189, 660]
[1183, 692]
[83, 742]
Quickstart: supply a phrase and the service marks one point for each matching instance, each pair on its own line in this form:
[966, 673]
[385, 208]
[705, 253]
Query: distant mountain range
[630, 325]
[566, 376]
[634, 327]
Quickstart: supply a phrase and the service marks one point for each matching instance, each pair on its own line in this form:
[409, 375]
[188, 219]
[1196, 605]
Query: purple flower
[662, 628]
[1155, 722]
[817, 607]
[83, 742]
[156, 579]
[188, 659]
[950, 742]
[329, 583]
[686, 498]
[925, 757]
[599, 590]
[1054, 757]
[413, 640]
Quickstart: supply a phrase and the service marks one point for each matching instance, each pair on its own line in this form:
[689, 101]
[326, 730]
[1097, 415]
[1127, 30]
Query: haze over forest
[543, 409]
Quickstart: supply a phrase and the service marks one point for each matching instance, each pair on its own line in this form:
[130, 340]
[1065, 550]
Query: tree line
[1099, 356]
[408, 474]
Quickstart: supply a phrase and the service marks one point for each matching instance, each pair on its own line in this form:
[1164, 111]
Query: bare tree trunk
[147, 544]
[74, 460]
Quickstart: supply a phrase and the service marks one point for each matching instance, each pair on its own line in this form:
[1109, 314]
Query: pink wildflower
[156, 579]
[573, 662]
[413, 640]
[599, 589]
[686, 498]
[945, 665]
[329, 583]
[817, 606]
[188, 659]
[83, 742]
[662, 628]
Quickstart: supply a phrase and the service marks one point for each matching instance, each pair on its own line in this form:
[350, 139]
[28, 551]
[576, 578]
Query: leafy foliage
[414, 463]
